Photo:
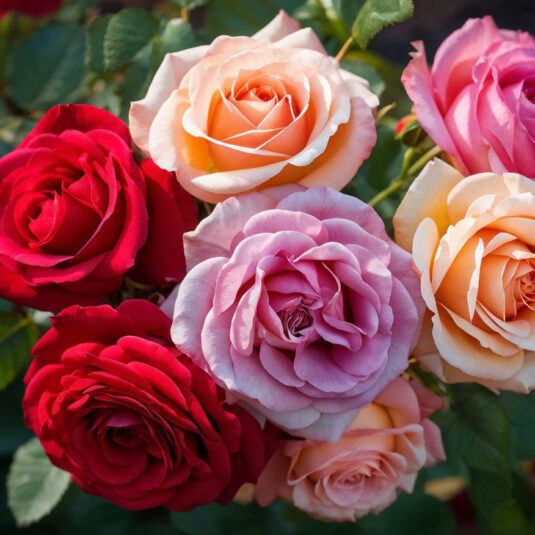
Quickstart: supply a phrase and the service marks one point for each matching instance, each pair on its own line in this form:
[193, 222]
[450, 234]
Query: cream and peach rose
[379, 454]
[251, 112]
[473, 242]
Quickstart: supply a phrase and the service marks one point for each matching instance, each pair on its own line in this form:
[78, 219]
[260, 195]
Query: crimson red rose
[33, 8]
[76, 212]
[115, 404]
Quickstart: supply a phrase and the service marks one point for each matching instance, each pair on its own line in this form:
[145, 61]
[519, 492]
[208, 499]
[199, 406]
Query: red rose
[33, 8]
[76, 212]
[115, 404]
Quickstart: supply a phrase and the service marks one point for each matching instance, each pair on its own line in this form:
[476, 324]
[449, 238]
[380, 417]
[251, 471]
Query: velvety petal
[278, 28]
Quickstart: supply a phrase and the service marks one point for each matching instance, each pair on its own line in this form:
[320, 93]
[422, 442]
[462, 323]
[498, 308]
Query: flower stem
[344, 49]
[407, 170]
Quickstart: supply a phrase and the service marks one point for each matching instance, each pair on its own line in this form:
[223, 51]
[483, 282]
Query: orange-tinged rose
[473, 242]
[378, 455]
[251, 112]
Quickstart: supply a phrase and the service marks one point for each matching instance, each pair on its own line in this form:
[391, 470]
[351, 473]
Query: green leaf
[476, 428]
[347, 10]
[96, 31]
[378, 171]
[521, 411]
[368, 72]
[34, 485]
[177, 35]
[17, 337]
[44, 69]
[137, 79]
[411, 514]
[236, 17]
[377, 14]
[189, 4]
[502, 507]
[13, 432]
[126, 33]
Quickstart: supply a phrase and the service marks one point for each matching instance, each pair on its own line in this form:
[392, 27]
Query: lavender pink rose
[478, 100]
[298, 303]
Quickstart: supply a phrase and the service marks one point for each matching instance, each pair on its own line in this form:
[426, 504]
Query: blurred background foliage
[105, 53]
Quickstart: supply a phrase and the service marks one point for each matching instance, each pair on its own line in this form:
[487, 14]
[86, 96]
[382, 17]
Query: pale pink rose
[379, 455]
[298, 304]
[252, 112]
[478, 100]
[473, 242]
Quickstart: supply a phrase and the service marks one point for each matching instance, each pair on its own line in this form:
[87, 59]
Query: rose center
[527, 287]
[296, 320]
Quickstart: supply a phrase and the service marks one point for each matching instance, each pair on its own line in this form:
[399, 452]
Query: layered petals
[377, 456]
[476, 102]
[475, 253]
[252, 112]
[115, 404]
[299, 305]
[77, 211]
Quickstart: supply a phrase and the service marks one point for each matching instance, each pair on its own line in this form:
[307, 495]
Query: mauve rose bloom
[379, 455]
[78, 213]
[115, 404]
[33, 8]
[253, 112]
[299, 305]
[478, 100]
[473, 242]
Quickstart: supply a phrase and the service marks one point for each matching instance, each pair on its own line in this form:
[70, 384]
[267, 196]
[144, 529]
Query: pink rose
[252, 112]
[478, 101]
[299, 304]
[379, 454]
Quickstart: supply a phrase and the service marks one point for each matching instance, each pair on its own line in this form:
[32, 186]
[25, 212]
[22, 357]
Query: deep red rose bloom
[77, 210]
[115, 404]
[33, 8]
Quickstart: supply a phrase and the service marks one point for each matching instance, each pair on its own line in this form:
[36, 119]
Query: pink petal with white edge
[281, 26]
[214, 234]
[326, 203]
[303, 38]
[194, 301]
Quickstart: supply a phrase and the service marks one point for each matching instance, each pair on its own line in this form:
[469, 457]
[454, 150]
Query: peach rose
[379, 454]
[251, 112]
[473, 242]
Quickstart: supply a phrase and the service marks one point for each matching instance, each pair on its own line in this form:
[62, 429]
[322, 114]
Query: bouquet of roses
[225, 322]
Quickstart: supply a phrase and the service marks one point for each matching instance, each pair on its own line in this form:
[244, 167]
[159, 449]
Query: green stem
[407, 170]
[426, 157]
[344, 49]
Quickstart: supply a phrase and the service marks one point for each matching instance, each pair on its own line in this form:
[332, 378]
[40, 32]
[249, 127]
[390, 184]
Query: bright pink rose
[478, 101]
[252, 112]
[379, 455]
[116, 405]
[298, 304]
[33, 8]
[77, 211]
